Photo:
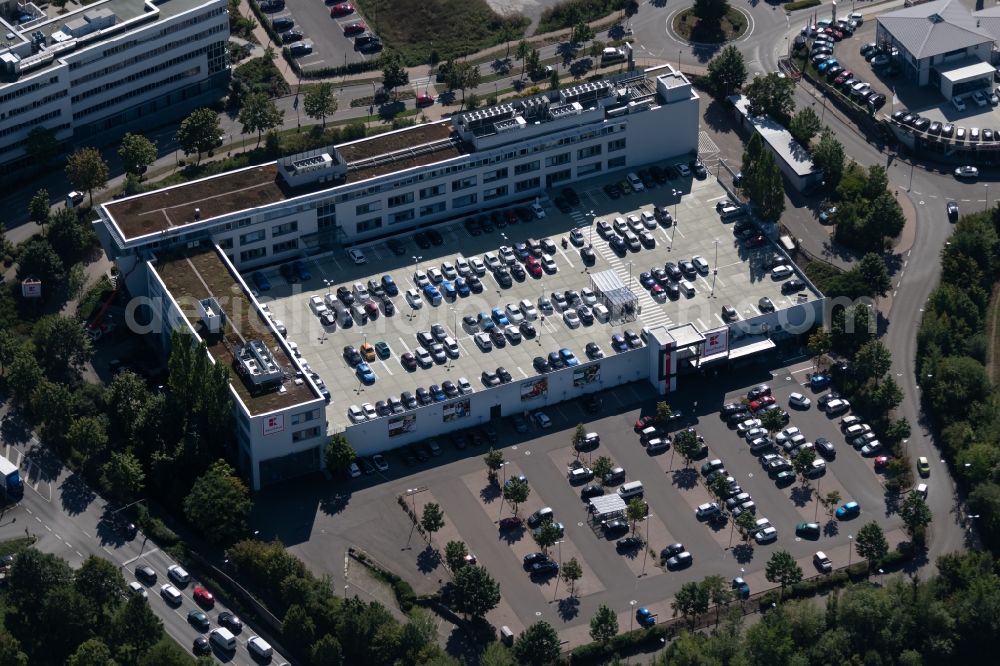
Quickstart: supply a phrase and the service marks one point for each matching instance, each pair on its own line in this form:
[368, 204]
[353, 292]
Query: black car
[498, 338]
[201, 646]
[345, 295]
[409, 402]
[230, 622]
[952, 208]
[628, 543]
[517, 271]
[534, 558]
[671, 550]
[699, 169]
[673, 272]
[504, 375]
[612, 190]
[145, 574]
[543, 568]
[562, 205]
[475, 284]
[587, 255]
[422, 239]
[758, 391]
[424, 396]
[527, 329]
[504, 279]
[570, 195]
[449, 388]
[291, 36]
[556, 361]
[792, 286]
[541, 365]
[397, 246]
[351, 355]
[825, 447]
[593, 351]
[591, 491]
[473, 226]
[435, 237]
[615, 527]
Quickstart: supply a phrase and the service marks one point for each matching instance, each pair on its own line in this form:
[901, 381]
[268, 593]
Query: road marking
[139, 556]
[47, 527]
[724, 196]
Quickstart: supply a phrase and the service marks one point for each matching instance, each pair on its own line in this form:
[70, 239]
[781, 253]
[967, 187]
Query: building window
[429, 192]
[285, 246]
[499, 174]
[400, 200]
[617, 144]
[432, 209]
[527, 167]
[370, 207]
[616, 163]
[303, 417]
[250, 255]
[462, 202]
[282, 229]
[368, 225]
[401, 216]
[556, 160]
[463, 183]
[529, 184]
[252, 237]
[587, 169]
[590, 151]
[226, 243]
[306, 433]
[558, 176]
[495, 193]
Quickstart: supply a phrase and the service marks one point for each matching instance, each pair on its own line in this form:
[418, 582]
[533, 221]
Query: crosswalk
[651, 313]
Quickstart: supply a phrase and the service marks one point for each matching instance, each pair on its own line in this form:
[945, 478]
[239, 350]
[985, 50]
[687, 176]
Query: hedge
[626, 643]
[800, 4]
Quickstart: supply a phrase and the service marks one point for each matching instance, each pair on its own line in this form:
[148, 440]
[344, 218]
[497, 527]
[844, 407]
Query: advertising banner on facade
[716, 341]
[586, 375]
[402, 424]
[455, 410]
[535, 388]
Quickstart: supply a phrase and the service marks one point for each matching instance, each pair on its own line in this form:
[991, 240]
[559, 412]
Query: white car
[413, 298]
[354, 470]
[542, 419]
[538, 211]
[462, 266]
[492, 261]
[317, 305]
[548, 264]
[648, 219]
[360, 292]
[528, 309]
[177, 574]
[478, 267]
[799, 400]
[766, 535]
[787, 434]
[420, 278]
[966, 172]
[423, 357]
[449, 270]
[369, 410]
[781, 272]
[601, 313]
[355, 414]
[635, 182]
[700, 264]
[434, 274]
[357, 256]
[571, 318]
[749, 424]
[507, 255]
[514, 314]
[588, 297]
[683, 170]
[136, 589]
[464, 386]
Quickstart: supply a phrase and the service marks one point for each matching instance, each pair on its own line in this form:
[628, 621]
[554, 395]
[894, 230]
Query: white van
[656, 445]
[259, 647]
[223, 639]
[686, 288]
[630, 490]
[611, 55]
[171, 594]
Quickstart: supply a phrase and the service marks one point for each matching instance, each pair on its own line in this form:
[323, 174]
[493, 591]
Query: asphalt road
[70, 520]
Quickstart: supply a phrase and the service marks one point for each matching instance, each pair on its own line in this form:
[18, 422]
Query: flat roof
[778, 137]
[201, 274]
[968, 69]
[741, 282]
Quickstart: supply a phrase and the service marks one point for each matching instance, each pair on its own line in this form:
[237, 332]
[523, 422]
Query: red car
[355, 28]
[535, 269]
[342, 9]
[203, 596]
[643, 423]
[881, 462]
[510, 523]
[423, 99]
[761, 403]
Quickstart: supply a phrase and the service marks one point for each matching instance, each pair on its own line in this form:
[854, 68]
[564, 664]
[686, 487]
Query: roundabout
[688, 27]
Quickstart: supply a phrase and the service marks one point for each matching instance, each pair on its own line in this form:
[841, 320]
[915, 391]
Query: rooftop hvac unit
[212, 316]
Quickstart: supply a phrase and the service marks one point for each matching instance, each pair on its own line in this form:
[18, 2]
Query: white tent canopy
[607, 506]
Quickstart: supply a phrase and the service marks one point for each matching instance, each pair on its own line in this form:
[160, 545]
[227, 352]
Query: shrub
[800, 4]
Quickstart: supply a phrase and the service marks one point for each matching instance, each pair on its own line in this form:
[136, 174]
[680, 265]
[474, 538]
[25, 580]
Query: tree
[259, 114]
[772, 420]
[168, 653]
[87, 171]
[916, 515]
[23, 375]
[872, 361]
[602, 466]
[727, 71]
[432, 519]
[135, 625]
[547, 535]
[38, 208]
[41, 145]
[61, 345]
[538, 645]
[802, 462]
[339, 454]
[851, 328]
[783, 569]
[454, 554]
[871, 544]
[767, 188]
[554, 80]
[581, 33]
[101, 581]
[516, 492]
[885, 219]
[534, 62]
[746, 524]
[751, 159]
[571, 572]
[635, 510]
[475, 592]
[604, 624]
[394, 74]
[820, 343]
[298, 627]
[899, 430]
[199, 132]
[319, 101]
[68, 236]
[87, 436]
[719, 487]
[804, 126]
[219, 487]
[630, 8]
[686, 444]
[830, 501]
[718, 592]
[327, 652]
[579, 438]
[522, 53]
[493, 460]
[136, 153]
[875, 274]
[663, 412]
[123, 476]
[771, 95]
[496, 654]
[691, 601]
[711, 11]
[828, 158]
[93, 652]
[32, 576]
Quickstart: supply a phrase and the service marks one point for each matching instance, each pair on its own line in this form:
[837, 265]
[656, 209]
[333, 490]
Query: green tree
[538, 645]
[432, 519]
[496, 654]
[604, 624]
[199, 132]
[875, 274]
[691, 601]
[454, 554]
[851, 328]
[772, 420]
[783, 569]
[516, 492]
[717, 590]
[62, 346]
[31, 577]
[522, 53]
[123, 476]
[166, 653]
[259, 114]
[298, 627]
[727, 71]
[218, 487]
[327, 652]
[767, 188]
[746, 525]
[10, 651]
[686, 444]
[820, 343]
[602, 466]
[87, 436]
[916, 515]
[319, 101]
[830, 501]
[101, 581]
[872, 361]
[68, 236]
[136, 153]
[554, 80]
[885, 220]
[579, 438]
[38, 208]
[635, 510]
[711, 11]
[719, 487]
[802, 462]
[828, 158]
[23, 375]
[871, 544]
[9, 345]
[663, 412]
[804, 126]
[581, 33]
[771, 95]
[547, 535]
[92, 652]
[394, 74]
[475, 592]
[41, 144]
[899, 430]
[534, 63]
[493, 460]
[339, 454]
[571, 572]
[135, 626]
[87, 171]
[751, 159]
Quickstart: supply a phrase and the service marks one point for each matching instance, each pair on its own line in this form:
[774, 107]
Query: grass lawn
[416, 29]
[691, 28]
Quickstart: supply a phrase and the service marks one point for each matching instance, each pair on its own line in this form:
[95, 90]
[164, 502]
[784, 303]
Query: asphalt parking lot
[331, 47]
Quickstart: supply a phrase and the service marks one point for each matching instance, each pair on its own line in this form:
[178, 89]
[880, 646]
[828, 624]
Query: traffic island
[689, 27]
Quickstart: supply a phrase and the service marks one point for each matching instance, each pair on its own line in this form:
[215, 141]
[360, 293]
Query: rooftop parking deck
[742, 280]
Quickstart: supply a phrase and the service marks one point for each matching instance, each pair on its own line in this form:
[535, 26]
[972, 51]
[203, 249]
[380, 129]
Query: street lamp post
[556, 589]
[592, 220]
[631, 619]
[987, 196]
[715, 267]
[630, 275]
[412, 492]
[645, 550]
[850, 549]
[673, 231]
[329, 286]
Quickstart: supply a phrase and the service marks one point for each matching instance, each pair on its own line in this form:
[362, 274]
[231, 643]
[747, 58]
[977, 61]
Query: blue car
[819, 381]
[389, 285]
[300, 269]
[499, 317]
[741, 587]
[646, 280]
[432, 295]
[849, 510]
[364, 373]
[437, 393]
[485, 323]
[829, 62]
[448, 288]
[645, 617]
[259, 279]
[568, 357]
[519, 477]
[462, 287]
[618, 343]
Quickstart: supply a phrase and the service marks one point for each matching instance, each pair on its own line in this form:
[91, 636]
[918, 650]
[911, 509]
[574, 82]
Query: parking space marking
[563, 253]
[701, 324]
[724, 196]
[386, 366]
